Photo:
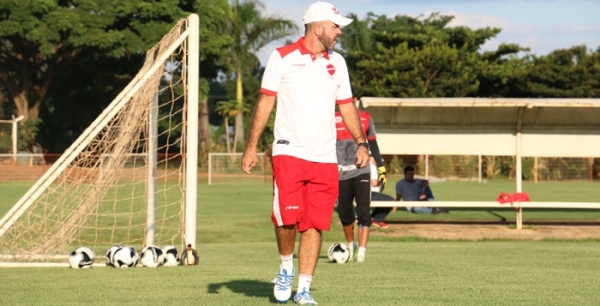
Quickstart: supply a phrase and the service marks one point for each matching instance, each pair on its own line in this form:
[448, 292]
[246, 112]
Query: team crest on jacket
[330, 69]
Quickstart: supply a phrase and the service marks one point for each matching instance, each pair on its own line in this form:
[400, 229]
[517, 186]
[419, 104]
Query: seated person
[411, 189]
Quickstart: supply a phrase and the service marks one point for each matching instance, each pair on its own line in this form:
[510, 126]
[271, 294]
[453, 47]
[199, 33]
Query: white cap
[321, 11]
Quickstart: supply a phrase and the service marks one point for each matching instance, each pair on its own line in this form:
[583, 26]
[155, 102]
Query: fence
[479, 168]
[224, 168]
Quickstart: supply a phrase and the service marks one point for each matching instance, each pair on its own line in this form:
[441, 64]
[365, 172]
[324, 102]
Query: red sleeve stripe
[344, 101]
[371, 138]
[268, 92]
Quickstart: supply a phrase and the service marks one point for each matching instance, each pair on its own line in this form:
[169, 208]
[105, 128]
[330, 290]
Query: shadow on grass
[248, 287]
[468, 222]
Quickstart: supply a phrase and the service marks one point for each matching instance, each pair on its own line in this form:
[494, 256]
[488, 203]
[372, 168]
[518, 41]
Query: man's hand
[362, 157]
[422, 196]
[249, 160]
[382, 177]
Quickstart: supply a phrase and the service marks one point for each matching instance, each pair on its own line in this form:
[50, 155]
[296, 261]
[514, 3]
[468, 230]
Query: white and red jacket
[307, 89]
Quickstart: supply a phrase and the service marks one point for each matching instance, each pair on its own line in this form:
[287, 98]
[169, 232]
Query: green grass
[405, 273]
[238, 258]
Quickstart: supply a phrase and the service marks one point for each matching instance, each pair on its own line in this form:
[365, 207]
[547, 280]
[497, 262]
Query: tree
[251, 31]
[406, 56]
[504, 73]
[227, 109]
[213, 41]
[76, 55]
[40, 39]
[565, 73]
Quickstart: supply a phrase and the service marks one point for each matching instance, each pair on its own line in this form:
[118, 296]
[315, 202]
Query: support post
[519, 170]
[193, 66]
[151, 175]
[14, 136]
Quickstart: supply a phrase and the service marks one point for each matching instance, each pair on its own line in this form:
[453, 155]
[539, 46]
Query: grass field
[238, 258]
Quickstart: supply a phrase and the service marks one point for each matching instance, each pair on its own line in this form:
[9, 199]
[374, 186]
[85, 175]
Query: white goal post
[13, 134]
[131, 177]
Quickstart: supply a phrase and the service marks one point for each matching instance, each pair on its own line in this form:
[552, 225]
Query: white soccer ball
[81, 258]
[111, 253]
[171, 256]
[125, 257]
[338, 253]
[152, 257]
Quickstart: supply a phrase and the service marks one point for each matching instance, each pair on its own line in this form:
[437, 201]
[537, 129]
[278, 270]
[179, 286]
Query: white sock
[304, 282]
[287, 261]
[351, 246]
[362, 250]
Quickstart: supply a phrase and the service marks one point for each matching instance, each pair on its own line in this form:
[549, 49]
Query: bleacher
[491, 127]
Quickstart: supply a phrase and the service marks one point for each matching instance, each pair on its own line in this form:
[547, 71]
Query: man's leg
[349, 233]
[363, 239]
[287, 194]
[321, 193]
[429, 194]
[308, 256]
[286, 238]
[362, 194]
[380, 213]
[345, 209]
[309, 250]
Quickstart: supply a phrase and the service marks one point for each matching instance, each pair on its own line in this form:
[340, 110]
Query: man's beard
[327, 42]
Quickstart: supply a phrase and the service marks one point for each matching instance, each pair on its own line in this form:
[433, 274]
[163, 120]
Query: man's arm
[376, 153]
[381, 171]
[424, 184]
[352, 122]
[262, 111]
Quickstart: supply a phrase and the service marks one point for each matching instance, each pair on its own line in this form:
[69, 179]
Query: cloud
[562, 26]
[476, 21]
[445, 2]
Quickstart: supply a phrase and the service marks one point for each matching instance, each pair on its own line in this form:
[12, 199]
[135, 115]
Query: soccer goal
[131, 177]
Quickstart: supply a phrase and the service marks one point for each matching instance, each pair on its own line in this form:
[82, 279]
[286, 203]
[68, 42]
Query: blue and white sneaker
[304, 298]
[283, 285]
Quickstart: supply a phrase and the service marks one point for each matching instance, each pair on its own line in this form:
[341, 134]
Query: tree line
[62, 62]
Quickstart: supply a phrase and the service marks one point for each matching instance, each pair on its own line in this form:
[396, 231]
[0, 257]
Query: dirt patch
[478, 231]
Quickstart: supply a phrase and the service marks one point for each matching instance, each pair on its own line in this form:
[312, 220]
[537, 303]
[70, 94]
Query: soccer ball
[125, 257]
[171, 256]
[111, 253]
[81, 258]
[338, 253]
[152, 257]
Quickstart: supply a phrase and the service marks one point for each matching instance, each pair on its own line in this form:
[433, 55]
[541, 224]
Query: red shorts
[304, 193]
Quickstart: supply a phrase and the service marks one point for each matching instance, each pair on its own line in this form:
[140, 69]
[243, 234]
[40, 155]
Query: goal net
[130, 178]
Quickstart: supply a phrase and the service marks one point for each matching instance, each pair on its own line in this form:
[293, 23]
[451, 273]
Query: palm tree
[227, 109]
[358, 35]
[250, 31]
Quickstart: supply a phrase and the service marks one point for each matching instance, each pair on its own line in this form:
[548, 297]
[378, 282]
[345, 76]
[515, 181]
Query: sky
[543, 26]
